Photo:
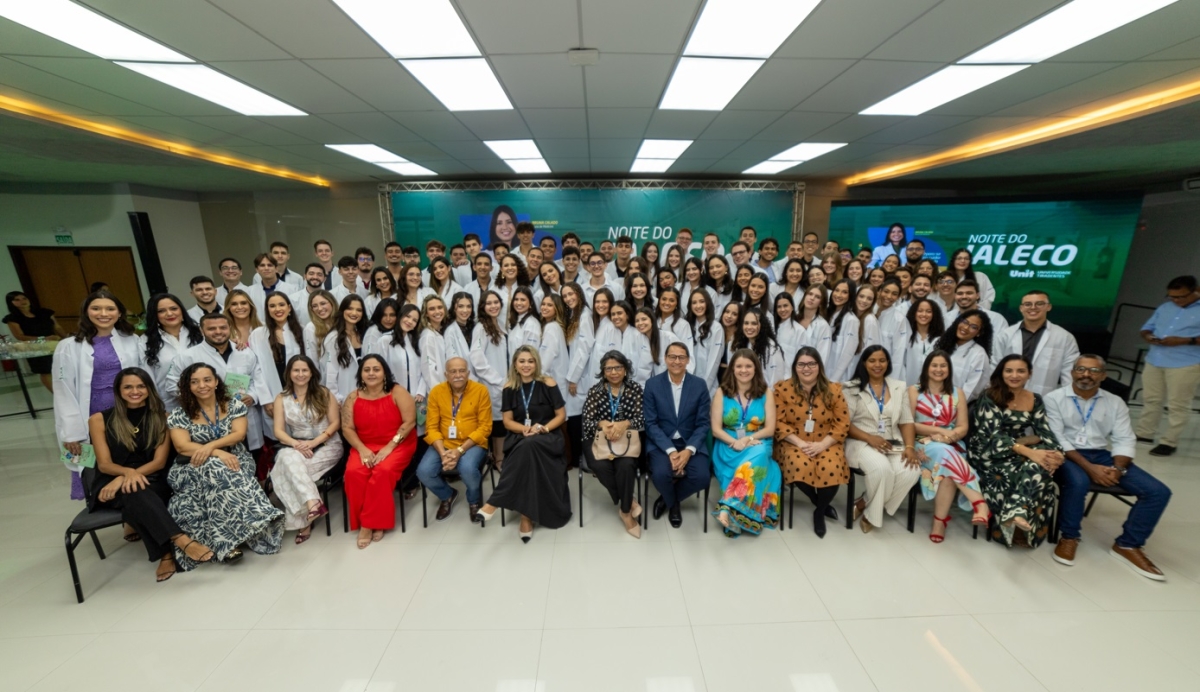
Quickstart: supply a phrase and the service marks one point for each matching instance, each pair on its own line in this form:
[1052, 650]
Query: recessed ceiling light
[1066, 27]
[806, 151]
[650, 165]
[424, 29]
[528, 165]
[368, 152]
[207, 83]
[771, 167]
[406, 168]
[942, 87]
[461, 84]
[514, 148]
[663, 148]
[87, 30]
[746, 28]
[707, 84]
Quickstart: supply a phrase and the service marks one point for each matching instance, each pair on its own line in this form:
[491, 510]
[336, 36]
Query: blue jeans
[430, 473]
[1152, 497]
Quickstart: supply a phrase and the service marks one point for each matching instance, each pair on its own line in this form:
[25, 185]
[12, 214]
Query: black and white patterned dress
[216, 506]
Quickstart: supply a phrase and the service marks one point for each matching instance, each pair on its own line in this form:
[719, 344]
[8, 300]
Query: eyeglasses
[230, 267]
[1039, 304]
[806, 365]
[614, 368]
[676, 357]
[971, 326]
[1080, 370]
[364, 258]
[595, 264]
[947, 282]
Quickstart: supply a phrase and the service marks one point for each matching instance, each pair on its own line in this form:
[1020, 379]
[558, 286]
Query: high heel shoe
[819, 522]
[945, 522]
[487, 516]
[526, 536]
[984, 520]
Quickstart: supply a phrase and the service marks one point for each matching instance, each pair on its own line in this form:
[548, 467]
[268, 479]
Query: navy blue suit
[692, 422]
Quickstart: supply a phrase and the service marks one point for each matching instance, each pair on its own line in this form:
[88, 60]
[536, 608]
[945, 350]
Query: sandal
[364, 540]
[376, 535]
[981, 520]
[945, 522]
[131, 535]
[204, 557]
[303, 536]
[319, 511]
[166, 568]
[234, 555]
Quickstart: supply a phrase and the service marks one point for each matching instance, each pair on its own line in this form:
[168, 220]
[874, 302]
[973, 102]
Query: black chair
[489, 464]
[645, 480]
[850, 496]
[1095, 491]
[913, 494]
[332, 478]
[87, 524]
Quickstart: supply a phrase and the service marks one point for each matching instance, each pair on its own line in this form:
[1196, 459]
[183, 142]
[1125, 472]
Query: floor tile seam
[857, 656]
[224, 658]
[391, 638]
[1011, 653]
[64, 662]
[416, 589]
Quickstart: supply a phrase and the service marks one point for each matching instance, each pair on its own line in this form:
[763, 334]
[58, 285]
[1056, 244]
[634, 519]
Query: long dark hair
[969, 272]
[513, 317]
[838, 315]
[155, 422]
[701, 330]
[949, 339]
[758, 385]
[648, 301]
[782, 280]
[573, 317]
[291, 324]
[923, 381]
[997, 390]
[436, 285]
[821, 387]
[316, 400]
[502, 209]
[413, 337]
[389, 381]
[376, 320]
[467, 329]
[341, 326]
[189, 402]
[391, 280]
[690, 259]
[655, 335]
[787, 298]
[937, 327]
[675, 316]
[727, 284]
[87, 331]
[154, 338]
[736, 294]
[491, 325]
[860, 369]
[522, 277]
[761, 345]
[12, 309]
[596, 316]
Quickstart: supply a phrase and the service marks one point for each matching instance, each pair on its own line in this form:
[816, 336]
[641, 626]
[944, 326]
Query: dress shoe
[660, 506]
[1136, 560]
[676, 517]
[1162, 451]
[1146, 440]
[1064, 552]
[446, 505]
[474, 511]
[819, 523]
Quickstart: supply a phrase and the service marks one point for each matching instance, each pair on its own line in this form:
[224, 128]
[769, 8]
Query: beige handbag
[604, 448]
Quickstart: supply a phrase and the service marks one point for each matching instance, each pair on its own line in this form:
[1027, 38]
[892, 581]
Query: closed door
[59, 278]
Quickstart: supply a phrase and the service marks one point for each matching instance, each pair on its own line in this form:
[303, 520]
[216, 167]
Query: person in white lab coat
[755, 333]
[960, 267]
[382, 322]
[708, 338]
[718, 278]
[1051, 349]
[231, 277]
[314, 280]
[460, 331]
[814, 330]
[274, 344]
[85, 368]
[243, 315]
[412, 289]
[845, 327]
[489, 360]
[787, 329]
[321, 308]
[891, 314]
[402, 351]
[205, 295]
[556, 359]
[441, 279]
[864, 310]
[524, 328]
[382, 287]
[669, 315]
[280, 255]
[968, 341]
[919, 332]
[169, 330]
[646, 346]
[218, 351]
[343, 347]
[966, 297]
[433, 344]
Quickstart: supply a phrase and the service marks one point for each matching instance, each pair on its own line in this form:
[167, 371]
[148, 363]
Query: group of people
[759, 370]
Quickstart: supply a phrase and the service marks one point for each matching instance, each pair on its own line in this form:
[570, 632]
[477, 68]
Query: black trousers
[821, 497]
[618, 476]
[146, 511]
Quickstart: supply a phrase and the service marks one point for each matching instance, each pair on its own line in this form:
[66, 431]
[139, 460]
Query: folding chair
[489, 464]
[86, 524]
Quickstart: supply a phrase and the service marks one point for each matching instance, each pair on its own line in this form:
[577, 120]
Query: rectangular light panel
[406, 168]
[207, 83]
[368, 152]
[461, 84]
[650, 165]
[1068, 26]
[942, 87]
[528, 165]
[86, 30]
[514, 148]
[746, 28]
[771, 167]
[707, 84]
[413, 28]
[663, 148]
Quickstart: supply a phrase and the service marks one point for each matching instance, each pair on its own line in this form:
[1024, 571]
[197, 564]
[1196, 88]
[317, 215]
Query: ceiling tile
[381, 82]
[615, 148]
[797, 126]
[865, 84]
[16, 39]
[741, 124]
[837, 29]
[314, 129]
[615, 165]
[1034, 81]
[540, 81]
[956, 28]
[637, 26]
[627, 81]
[1108, 86]
[464, 149]
[492, 166]
[505, 26]
[618, 122]
[197, 29]
[495, 124]
[258, 130]
[678, 124]
[782, 83]
[711, 148]
[910, 129]
[294, 82]
[978, 127]
[1186, 50]
[556, 122]
[420, 151]
[433, 124]
[563, 148]
[683, 165]
[855, 127]
[566, 164]
[372, 127]
[307, 29]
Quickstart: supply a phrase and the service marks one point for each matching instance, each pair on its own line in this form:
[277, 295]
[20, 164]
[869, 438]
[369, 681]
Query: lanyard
[879, 399]
[525, 399]
[1088, 417]
[614, 405]
[454, 407]
[745, 410]
[935, 405]
[214, 427]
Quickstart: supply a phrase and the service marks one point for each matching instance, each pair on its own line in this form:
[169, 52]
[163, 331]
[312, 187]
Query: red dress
[371, 491]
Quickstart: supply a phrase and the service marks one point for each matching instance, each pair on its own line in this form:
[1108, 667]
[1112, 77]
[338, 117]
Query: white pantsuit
[888, 479]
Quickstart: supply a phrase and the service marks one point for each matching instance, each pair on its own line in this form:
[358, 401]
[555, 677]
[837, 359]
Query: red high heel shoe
[982, 521]
[945, 522]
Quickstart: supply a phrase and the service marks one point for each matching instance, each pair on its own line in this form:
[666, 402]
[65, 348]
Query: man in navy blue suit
[677, 422]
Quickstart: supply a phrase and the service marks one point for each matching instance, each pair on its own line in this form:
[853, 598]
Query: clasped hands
[129, 482]
[613, 431]
[450, 458]
[741, 443]
[204, 452]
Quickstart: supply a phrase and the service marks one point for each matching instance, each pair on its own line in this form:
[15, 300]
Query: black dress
[534, 477]
[144, 510]
[41, 324]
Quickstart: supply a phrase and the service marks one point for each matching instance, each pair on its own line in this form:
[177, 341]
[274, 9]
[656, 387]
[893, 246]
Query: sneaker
[1064, 552]
[1136, 560]
[1162, 451]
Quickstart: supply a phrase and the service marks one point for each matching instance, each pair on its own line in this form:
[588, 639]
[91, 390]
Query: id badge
[937, 411]
[528, 422]
[882, 426]
[741, 431]
[1081, 439]
[809, 425]
[452, 433]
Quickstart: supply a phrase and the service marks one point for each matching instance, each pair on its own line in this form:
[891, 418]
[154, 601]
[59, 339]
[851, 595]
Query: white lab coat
[999, 324]
[433, 358]
[170, 348]
[842, 356]
[223, 293]
[556, 360]
[908, 363]
[243, 362]
[871, 332]
[299, 301]
[72, 371]
[608, 338]
[526, 332]
[775, 369]
[310, 347]
[457, 346]
[1052, 360]
[196, 312]
[261, 345]
[448, 291]
[987, 292]
[370, 340]
[818, 335]
[787, 335]
[405, 364]
[290, 278]
[972, 371]
[580, 362]
[707, 356]
[589, 291]
[889, 330]
[681, 330]
[340, 381]
[490, 363]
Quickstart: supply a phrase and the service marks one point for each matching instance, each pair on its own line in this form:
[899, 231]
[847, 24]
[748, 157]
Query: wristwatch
[1123, 469]
[396, 439]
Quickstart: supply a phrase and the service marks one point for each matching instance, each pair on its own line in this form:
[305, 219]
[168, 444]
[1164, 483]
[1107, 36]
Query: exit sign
[63, 237]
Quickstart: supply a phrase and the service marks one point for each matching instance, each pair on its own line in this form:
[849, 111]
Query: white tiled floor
[454, 607]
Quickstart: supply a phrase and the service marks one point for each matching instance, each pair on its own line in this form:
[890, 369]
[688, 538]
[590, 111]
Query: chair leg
[580, 497]
[850, 502]
[1088, 510]
[325, 501]
[74, 567]
[403, 527]
[704, 509]
[791, 506]
[912, 508]
[96, 542]
[424, 508]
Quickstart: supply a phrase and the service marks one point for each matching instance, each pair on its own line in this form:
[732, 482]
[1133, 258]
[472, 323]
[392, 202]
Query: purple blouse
[105, 366]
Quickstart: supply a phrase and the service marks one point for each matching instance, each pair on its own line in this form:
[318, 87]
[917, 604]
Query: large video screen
[1074, 250]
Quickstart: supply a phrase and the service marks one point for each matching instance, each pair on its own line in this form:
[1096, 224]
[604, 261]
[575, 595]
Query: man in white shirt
[1088, 420]
[364, 257]
[683, 239]
[599, 279]
[393, 255]
[966, 297]
[712, 246]
[280, 253]
[314, 279]
[676, 407]
[323, 251]
[569, 264]
[749, 236]
[205, 295]
[739, 256]
[617, 268]
[1048, 347]
[764, 260]
[525, 233]
[231, 278]
[460, 266]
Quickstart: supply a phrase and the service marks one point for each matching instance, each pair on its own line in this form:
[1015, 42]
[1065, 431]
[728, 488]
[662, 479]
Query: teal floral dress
[1012, 485]
[750, 479]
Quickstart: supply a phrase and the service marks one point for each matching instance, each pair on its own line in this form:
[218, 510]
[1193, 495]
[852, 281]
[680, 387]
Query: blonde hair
[446, 317]
[321, 327]
[254, 321]
[514, 378]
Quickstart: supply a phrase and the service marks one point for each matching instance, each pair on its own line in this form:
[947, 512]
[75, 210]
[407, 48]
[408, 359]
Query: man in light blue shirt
[1172, 365]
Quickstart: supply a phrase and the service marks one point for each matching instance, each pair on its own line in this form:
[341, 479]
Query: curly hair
[948, 342]
[189, 402]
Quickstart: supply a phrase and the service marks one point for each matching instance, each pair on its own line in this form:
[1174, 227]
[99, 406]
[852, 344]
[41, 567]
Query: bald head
[457, 373]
